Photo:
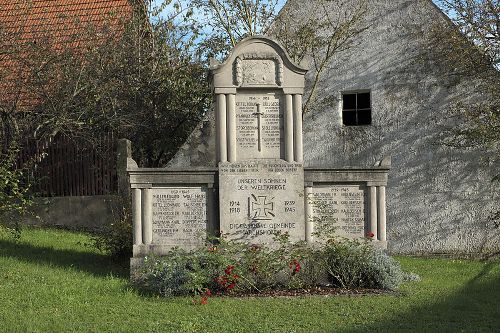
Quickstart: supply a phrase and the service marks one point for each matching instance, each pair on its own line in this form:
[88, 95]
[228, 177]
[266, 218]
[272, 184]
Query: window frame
[356, 109]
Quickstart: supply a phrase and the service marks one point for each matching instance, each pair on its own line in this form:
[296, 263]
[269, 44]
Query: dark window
[356, 109]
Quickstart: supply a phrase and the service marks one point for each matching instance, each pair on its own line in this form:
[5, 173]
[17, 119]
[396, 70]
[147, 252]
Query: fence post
[123, 152]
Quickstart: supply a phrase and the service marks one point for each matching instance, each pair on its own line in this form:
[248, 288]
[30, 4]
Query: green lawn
[51, 282]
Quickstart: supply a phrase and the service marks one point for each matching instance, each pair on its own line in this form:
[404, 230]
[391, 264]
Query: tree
[468, 48]
[139, 82]
[316, 36]
[137, 79]
[226, 22]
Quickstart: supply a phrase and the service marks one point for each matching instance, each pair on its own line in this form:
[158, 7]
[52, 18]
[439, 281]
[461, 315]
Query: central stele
[258, 97]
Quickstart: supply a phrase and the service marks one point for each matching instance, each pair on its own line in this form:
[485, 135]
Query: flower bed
[232, 268]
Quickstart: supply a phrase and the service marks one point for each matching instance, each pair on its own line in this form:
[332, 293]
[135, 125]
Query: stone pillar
[147, 216]
[373, 211]
[381, 214]
[297, 128]
[221, 127]
[231, 127]
[308, 209]
[288, 128]
[211, 211]
[123, 152]
[136, 215]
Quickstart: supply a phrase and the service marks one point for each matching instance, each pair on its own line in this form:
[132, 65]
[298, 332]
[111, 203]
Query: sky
[280, 4]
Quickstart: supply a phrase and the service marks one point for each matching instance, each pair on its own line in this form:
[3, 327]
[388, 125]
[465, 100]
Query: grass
[50, 281]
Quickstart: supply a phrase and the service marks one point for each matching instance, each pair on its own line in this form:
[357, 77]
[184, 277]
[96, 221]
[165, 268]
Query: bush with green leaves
[230, 266]
[116, 238]
[354, 264]
[178, 273]
[15, 198]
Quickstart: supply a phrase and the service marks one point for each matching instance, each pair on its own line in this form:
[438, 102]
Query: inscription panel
[259, 125]
[179, 216]
[261, 198]
[341, 208]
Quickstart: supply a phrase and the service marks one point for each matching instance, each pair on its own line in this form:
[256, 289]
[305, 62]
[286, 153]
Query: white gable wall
[439, 199]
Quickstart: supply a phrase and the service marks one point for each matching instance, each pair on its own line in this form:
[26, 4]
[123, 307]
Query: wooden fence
[69, 167]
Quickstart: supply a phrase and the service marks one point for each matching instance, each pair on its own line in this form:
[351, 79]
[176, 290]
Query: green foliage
[15, 198]
[353, 264]
[57, 284]
[245, 268]
[116, 239]
[467, 50]
[176, 274]
[133, 78]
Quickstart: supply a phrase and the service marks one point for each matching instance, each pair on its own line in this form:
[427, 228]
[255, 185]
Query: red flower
[229, 269]
[231, 286]
[208, 292]
[204, 300]
[294, 265]
[370, 234]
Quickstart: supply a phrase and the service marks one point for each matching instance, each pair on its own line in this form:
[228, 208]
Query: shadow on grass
[94, 263]
[475, 308]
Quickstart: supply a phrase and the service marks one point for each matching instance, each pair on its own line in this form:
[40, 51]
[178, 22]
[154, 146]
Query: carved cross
[261, 207]
[259, 113]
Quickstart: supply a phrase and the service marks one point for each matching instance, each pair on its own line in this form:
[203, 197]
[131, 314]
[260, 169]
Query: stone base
[136, 265]
[380, 244]
[157, 249]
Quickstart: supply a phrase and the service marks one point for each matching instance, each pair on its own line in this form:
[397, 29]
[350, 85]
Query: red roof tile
[58, 17]
[60, 21]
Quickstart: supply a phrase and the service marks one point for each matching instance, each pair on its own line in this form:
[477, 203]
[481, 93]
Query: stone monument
[258, 93]
[257, 186]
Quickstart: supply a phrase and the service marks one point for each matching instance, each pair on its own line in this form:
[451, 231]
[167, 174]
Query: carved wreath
[258, 56]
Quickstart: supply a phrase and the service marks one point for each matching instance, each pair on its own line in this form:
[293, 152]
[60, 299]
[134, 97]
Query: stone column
[231, 127]
[136, 215]
[381, 214]
[123, 152]
[221, 127]
[211, 211]
[288, 128]
[147, 216]
[297, 128]
[308, 209]
[373, 211]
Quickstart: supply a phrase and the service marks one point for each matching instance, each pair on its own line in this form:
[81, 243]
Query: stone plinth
[261, 198]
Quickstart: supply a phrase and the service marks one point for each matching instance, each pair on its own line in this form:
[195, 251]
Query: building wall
[439, 199]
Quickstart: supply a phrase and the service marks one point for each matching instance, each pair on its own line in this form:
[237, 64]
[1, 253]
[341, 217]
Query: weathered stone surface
[260, 198]
[439, 199]
[259, 124]
[179, 216]
[340, 208]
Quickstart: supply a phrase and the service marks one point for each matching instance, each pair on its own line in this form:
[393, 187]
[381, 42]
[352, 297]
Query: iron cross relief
[260, 207]
[259, 113]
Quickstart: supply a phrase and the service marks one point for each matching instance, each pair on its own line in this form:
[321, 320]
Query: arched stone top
[257, 62]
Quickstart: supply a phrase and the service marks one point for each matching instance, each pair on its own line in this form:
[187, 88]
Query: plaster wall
[439, 199]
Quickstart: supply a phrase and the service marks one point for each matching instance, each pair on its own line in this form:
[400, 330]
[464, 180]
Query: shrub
[345, 262]
[178, 273]
[354, 264]
[383, 272]
[15, 198]
[237, 267]
[116, 239]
